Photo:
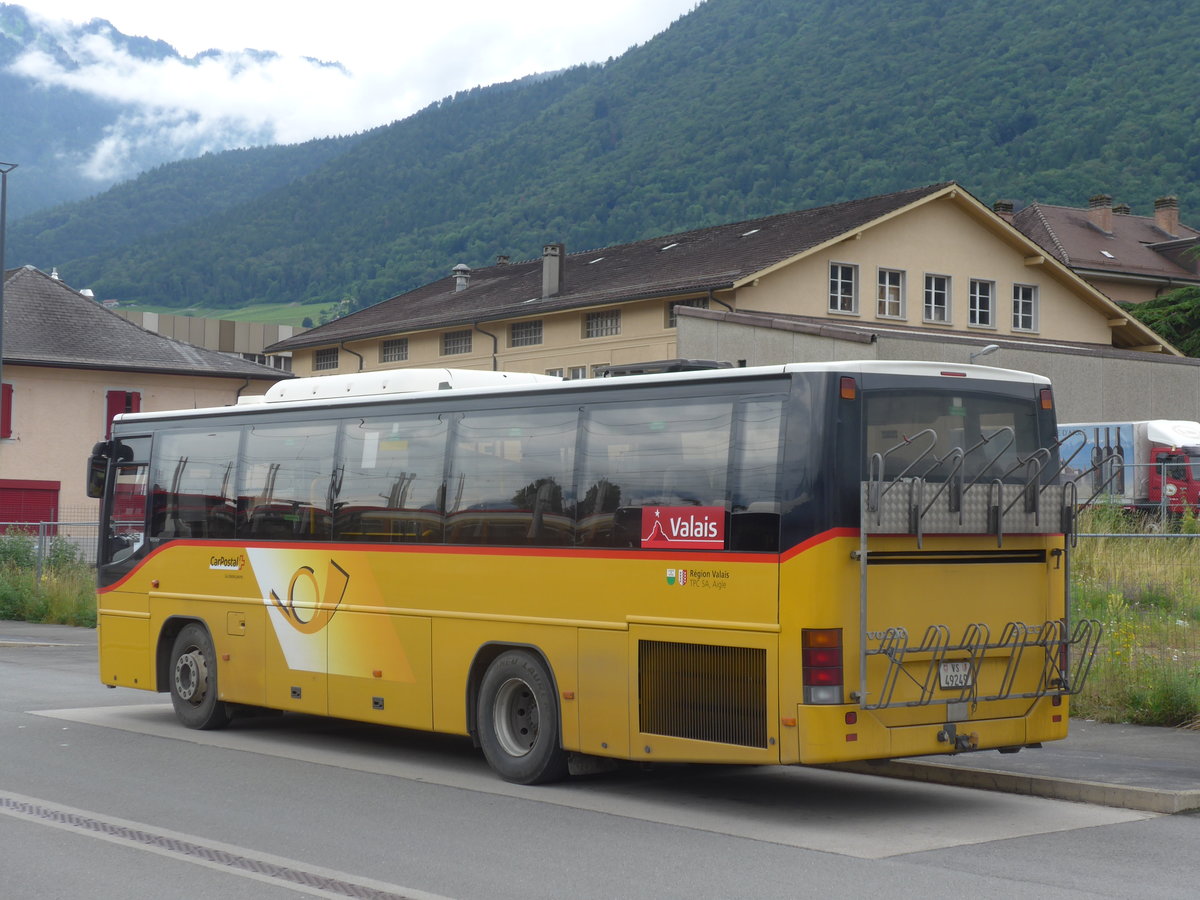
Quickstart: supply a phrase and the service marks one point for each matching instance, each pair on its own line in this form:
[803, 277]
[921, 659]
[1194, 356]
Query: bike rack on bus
[929, 496]
[1050, 638]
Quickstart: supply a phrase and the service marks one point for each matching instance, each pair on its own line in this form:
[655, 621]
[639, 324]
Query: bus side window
[193, 477]
[654, 453]
[510, 478]
[389, 481]
[286, 477]
[754, 476]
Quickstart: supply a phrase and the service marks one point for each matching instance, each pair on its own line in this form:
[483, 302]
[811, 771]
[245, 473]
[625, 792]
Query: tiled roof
[1073, 239]
[49, 323]
[689, 262]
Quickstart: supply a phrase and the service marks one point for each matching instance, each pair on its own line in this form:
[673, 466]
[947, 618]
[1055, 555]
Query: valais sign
[683, 527]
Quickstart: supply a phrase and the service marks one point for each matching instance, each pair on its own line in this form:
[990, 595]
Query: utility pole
[5, 168]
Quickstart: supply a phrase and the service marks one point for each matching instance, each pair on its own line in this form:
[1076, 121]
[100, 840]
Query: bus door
[117, 473]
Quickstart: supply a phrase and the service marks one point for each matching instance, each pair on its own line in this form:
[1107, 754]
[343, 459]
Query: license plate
[954, 675]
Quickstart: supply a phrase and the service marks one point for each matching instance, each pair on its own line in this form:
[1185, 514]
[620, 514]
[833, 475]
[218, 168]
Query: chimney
[552, 271]
[1003, 208]
[54, 269]
[1121, 209]
[1100, 212]
[502, 260]
[1166, 215]
[462, 277]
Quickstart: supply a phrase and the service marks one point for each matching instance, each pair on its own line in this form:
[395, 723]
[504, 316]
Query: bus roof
[382, 386]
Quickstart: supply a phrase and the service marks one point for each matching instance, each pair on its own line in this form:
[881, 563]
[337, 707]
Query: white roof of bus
[373, 387]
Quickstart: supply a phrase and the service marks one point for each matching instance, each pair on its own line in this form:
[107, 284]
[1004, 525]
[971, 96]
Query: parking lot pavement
[1130, 766]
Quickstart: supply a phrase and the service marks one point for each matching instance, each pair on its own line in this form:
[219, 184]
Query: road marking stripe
[299, 876]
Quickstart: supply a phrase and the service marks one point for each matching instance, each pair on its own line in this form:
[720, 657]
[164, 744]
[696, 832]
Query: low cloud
[393, 61]
[217, 100]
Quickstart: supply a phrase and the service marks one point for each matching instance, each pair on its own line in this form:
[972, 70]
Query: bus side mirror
[97, 475]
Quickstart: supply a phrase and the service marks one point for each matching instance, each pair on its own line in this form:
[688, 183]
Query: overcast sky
[397, 57]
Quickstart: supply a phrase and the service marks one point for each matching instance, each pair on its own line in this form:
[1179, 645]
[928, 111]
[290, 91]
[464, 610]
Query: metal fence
[78, 539]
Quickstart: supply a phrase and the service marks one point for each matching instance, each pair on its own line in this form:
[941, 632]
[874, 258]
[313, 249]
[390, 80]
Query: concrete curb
[1123, 796]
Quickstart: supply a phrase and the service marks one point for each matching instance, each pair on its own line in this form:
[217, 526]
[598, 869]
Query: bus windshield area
[936, 435]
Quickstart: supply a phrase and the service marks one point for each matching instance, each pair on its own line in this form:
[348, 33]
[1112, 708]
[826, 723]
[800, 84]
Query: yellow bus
[804, 563]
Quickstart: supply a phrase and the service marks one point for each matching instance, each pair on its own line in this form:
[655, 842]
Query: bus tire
[518, 720]
[193, 679]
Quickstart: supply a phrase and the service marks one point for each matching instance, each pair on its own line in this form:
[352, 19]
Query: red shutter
[114, 404]
[117, 402]
[5, 410]
[28, 502]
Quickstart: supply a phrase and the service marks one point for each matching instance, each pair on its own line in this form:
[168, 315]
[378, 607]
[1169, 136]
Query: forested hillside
[742, 108]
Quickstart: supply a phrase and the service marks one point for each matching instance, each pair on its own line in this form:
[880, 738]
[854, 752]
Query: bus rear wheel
[193, 676]
[518, 720]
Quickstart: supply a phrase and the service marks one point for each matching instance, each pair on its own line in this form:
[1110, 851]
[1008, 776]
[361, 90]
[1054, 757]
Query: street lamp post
[5, 168]
[990, 348]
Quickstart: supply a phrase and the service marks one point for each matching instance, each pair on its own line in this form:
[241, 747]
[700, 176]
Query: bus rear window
[921, 434]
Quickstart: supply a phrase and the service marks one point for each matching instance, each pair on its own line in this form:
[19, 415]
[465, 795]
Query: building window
[843, 288]
[1024, 316]
[672, 316]
[604, 323]
[576, 372]
[937, 298]
[525, 334]
[556, 373]
[118, 402]
[891, 294]
[275, 362]
[455, 342]
[395, 350]
[325, 359]
[982, 307]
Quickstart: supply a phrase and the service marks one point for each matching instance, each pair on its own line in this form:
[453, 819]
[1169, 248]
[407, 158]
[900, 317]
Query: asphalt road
[103, 795]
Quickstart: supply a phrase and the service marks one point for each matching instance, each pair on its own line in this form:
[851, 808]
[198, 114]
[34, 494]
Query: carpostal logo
[227, 563]
[683, 527]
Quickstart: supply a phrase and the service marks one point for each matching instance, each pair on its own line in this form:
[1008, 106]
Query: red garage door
[27, 501]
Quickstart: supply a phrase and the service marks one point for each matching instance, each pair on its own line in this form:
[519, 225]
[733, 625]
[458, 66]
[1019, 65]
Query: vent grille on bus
[703, 692]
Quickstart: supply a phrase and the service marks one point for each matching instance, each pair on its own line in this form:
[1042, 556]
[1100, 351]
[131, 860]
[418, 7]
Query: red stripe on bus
[523, 552]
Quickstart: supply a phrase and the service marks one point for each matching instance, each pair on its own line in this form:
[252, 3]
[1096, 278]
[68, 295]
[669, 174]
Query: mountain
[54, 132]
[742, 108]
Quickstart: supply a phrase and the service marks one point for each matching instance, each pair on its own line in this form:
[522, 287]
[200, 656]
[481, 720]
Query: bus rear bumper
[828, 734]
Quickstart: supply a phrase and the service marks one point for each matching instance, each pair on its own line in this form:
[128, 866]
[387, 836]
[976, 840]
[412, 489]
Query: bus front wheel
[194, 680]
[518, 720]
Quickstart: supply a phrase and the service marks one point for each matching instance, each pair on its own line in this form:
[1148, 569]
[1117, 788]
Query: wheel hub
[191, 677]
[516, 715]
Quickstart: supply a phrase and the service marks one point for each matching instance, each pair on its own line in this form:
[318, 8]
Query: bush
[66, 592]
[18, 548]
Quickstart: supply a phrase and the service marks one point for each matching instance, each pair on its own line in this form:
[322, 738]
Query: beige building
[1130, 258]
[69, 366]
[932, 258]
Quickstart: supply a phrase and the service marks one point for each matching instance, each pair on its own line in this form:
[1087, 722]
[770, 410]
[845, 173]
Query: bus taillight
[822, 659]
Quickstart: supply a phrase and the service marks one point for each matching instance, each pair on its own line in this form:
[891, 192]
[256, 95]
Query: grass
[65, 594]
[1146, 593]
